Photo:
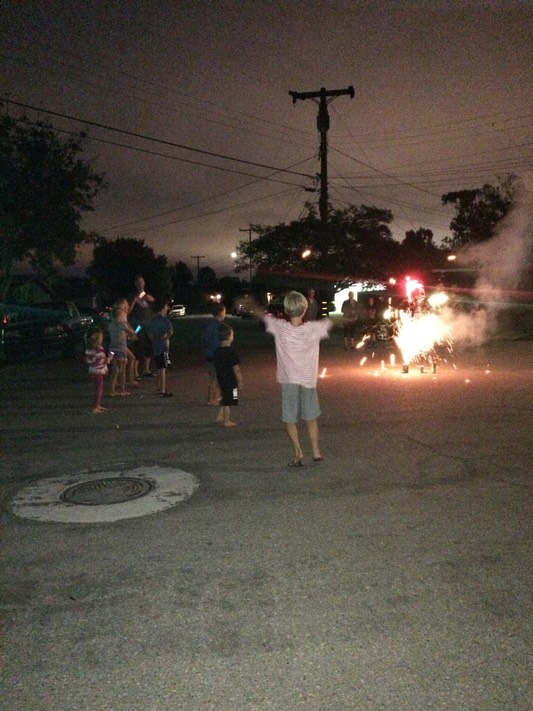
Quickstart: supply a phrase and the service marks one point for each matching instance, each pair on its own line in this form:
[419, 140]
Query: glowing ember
[323, 373]
[421, 327]
[363, 361]
[418, 336]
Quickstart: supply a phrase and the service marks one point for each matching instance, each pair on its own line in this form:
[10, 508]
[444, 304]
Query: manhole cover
[86, 497]
[106, 491]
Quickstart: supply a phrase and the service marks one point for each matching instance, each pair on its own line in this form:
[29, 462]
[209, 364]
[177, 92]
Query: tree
[116, 263]
[478, 211]
[419, 252]
[207, 279]
[359, 243]
[45, 187]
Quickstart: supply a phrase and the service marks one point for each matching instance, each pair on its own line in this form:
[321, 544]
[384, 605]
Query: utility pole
[197, 257]
[249, 230]
[323, 98]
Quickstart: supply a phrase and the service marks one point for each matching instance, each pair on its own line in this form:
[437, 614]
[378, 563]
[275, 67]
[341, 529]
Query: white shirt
[297, 349]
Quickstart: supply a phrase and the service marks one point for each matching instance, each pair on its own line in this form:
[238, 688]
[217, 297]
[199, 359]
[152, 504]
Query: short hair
[93, 334]
[218, 308]
[224, 331]
[295, 304]
[117, 309]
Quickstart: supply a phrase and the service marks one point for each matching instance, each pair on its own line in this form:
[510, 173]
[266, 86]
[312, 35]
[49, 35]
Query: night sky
[442, 102]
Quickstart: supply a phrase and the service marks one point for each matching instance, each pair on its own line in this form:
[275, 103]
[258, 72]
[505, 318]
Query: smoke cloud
[504, 260]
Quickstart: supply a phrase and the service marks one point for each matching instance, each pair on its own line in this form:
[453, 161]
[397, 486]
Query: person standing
[226, 362]
[119, 330]
[313, 306]
[141, 314]
[97, 360]
[212, 342]
[372, 320]
[350, 315]
[297, 352]
[160, 330]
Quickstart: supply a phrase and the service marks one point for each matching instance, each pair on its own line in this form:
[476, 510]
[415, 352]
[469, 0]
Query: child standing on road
[160, 330]
[97, 360]
[226, 363]
[119, 330]
[212, 342]
[297, 351]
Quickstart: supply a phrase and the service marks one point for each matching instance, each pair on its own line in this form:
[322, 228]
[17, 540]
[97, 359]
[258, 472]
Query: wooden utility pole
[323, 98]
[197, 257]
[249, 230]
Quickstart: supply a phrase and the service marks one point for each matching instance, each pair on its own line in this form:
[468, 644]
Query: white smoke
[503, 260]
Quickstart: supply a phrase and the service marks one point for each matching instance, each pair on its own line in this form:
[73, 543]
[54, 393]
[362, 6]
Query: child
[160, 330]
[212, 342]
[119, 330]
[132, 367]
[226, 363]
[97, 360]
[297, 350]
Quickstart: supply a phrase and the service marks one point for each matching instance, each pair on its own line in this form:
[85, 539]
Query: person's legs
[310, 408]
[130, 369]
[290, 406]
[213, 391]
[98, 384]
[122, 377]
[292, 431]
[312, 429]
[228, 422]
[114, 377]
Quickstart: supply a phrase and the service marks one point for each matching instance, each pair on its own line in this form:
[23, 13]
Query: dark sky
[442, 102]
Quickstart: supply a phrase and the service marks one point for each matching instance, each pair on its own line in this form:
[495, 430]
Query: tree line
[46, 186]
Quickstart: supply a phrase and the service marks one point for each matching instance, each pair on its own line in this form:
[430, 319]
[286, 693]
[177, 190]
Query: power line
[153, 138]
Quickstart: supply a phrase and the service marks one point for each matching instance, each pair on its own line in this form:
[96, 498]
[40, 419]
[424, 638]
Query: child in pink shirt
[297, 352]
[97, 360]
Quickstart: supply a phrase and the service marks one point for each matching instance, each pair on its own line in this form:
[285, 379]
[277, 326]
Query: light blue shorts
[298, 402]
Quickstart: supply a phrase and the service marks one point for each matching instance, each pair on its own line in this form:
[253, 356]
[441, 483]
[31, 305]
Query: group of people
[356, 315]
[139, 331]
[144, 323]
[297, 340]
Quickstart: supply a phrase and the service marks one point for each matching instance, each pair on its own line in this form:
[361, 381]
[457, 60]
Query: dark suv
[26, 331]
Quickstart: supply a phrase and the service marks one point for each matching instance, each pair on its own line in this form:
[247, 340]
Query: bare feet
[98, 410]
[230, 423]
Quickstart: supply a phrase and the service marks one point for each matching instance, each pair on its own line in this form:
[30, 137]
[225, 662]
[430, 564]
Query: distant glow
[439, 298]
[233, 255]
[451, 257]
[360, 287]
[306, 253]
[412, 285]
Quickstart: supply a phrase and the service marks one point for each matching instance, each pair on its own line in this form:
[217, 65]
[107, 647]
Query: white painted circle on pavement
[42, 500]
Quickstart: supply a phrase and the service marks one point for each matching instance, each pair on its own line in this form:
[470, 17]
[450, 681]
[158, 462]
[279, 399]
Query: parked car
[94, 317]
[176, 311]
[27, 332]
[242, 311]
[276, 308]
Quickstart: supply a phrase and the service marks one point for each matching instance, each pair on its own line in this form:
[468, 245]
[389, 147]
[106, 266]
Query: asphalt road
[393, 575]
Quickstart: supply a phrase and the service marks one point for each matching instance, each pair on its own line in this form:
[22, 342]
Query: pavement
[393, 575]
